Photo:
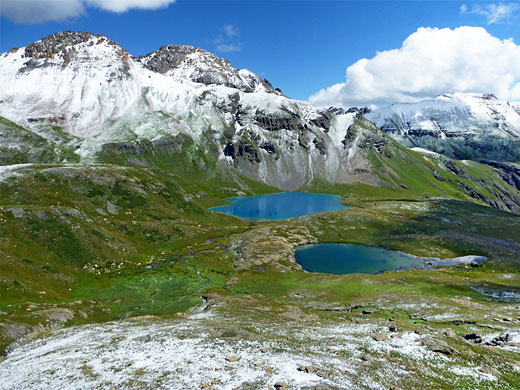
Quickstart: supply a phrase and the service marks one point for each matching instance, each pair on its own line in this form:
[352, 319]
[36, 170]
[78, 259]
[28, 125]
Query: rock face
[461, 125]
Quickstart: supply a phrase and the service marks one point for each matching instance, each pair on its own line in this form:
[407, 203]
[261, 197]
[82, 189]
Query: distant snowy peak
[460, 125]
[201, 66]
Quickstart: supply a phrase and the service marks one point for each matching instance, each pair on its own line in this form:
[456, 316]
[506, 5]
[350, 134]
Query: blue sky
[300, 46]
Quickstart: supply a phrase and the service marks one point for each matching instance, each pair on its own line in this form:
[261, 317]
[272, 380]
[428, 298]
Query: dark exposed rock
[473, 193]
[168, 57]
[438, 177]
[308, 369]
[303, 140]
[463, 322]
[349, 135]
[51, 119]
[454, 168]
[56, 43]
[242, 149]
[510, 173]
[323, 121]
[337, 110]
[500, 340]
[341, 111]
[376, 143]
[268, 147]
[272, 123]
[319, 144]
[360, 171]
[473, 337]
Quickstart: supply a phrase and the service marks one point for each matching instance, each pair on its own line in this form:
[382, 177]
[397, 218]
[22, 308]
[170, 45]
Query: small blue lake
[279, 206]
[339, 259]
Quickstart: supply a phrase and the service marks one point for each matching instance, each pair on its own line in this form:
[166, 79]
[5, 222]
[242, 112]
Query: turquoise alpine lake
[279, 206]
[339, 259]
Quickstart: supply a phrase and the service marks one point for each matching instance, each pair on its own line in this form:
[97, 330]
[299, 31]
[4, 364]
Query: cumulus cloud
[431, 62]
[36, 11]
[495, 13]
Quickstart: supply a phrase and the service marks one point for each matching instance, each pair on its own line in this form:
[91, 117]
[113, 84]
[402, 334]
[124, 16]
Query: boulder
[473, 337]
[232, 358]
[439, 346]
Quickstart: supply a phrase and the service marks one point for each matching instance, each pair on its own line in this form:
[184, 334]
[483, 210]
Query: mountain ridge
[460, 125]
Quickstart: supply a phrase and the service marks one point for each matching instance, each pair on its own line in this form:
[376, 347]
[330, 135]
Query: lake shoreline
[338, 256]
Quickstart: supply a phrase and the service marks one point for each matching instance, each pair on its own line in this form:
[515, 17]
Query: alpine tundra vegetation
[116, 273]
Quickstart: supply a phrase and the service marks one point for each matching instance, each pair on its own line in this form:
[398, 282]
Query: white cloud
[431, 62]
[124, 5]
[495, 13]
[36, 11]
[230, 30]
[228, 47]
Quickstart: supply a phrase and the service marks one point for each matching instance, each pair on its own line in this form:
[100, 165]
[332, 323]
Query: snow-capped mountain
[460, 125]
[89, 88]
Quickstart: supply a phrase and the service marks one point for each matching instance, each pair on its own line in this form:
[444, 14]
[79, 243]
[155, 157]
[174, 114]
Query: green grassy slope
[406, 174]
[19, 145]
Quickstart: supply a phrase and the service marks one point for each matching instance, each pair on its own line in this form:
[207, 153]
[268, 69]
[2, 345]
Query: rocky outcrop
[510, 173]
[272, 123]
[260, 247]
[54, 44]
[341, 111]
[242, 150]
[323, 121]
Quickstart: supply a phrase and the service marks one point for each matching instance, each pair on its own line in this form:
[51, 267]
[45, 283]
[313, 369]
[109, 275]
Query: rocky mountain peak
[64, 45]
[201, 66]
[56, 43]
[170, 57]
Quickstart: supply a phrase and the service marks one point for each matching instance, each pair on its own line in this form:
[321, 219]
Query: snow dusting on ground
[197, 352]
